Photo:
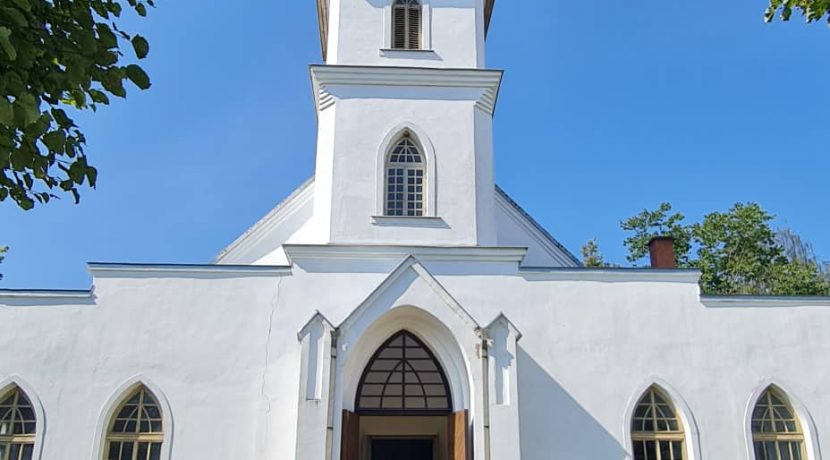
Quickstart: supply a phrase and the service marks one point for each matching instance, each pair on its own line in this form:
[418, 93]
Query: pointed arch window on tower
[406, 24]
[405, 179]
[776, 431]
[656, 431]
[135, 432]
[17, 426]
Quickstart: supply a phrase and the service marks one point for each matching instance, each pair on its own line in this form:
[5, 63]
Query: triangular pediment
[409, 285]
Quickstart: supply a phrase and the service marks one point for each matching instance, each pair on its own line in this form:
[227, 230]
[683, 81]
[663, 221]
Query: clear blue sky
[607, 107]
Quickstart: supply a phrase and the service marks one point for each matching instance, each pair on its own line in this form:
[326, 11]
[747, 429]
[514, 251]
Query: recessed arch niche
[405, 345]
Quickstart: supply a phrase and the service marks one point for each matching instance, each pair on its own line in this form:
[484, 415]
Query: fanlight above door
[403, 378]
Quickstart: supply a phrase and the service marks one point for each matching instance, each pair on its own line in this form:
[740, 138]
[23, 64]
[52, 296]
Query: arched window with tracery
[405, 179]
[135, 431]
[18, 425]
[776, 431]
[656, 430]
[406, 24]
[403, 376]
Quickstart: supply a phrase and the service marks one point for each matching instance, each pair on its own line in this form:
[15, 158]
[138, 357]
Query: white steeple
[404, 141]
[405, 75]
[362, 32]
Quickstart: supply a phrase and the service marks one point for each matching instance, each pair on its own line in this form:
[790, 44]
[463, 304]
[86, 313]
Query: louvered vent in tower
[406, 25]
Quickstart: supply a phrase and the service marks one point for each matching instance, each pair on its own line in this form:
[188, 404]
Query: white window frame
[15, 382]
[808, 426]
[113, 404]
[682, 411]
[426, 28]
[430, 172]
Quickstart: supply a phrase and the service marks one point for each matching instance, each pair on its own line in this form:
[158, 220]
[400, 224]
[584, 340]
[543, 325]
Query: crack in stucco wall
[263, 387]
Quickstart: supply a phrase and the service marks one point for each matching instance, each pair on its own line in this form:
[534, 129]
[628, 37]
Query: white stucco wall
[223, 349]
[452, 34]
[349, 180]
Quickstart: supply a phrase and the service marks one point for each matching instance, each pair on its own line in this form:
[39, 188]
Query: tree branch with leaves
[660, 222]
[57, 55]
[736, 251]
[812, 10]
[3, 251]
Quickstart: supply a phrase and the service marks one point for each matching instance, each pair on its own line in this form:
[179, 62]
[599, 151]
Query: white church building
[400, 306]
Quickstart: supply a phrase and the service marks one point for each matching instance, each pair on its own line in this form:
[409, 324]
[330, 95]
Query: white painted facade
[256, 355]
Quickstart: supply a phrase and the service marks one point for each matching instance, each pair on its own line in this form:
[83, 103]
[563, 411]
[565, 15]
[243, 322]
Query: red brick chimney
[661, 249]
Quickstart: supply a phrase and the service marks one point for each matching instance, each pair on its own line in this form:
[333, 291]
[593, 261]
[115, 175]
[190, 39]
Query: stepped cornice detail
[324, 77]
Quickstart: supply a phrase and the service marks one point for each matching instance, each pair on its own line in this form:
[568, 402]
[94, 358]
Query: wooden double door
[405, 449]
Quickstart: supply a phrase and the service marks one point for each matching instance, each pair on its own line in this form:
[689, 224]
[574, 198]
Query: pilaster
[316, 340]
[502, 338]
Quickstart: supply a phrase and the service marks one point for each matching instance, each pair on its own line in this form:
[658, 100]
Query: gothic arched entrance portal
[403, 407]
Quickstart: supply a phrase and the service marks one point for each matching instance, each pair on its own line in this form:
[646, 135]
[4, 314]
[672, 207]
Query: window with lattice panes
[405, 179]
[776, 431]
[18, 426]
[656, 431]
[406, 24]
[136, 432]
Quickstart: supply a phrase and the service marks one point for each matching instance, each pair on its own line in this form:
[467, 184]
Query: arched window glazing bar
[17, 426]
[776, 431]
[136, 432]
[403, 378]
[656, 431]
[405, 179]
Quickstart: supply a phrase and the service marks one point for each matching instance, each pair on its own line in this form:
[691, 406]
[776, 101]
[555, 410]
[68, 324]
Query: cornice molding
[763, 301]
[45, 294]
[325, 76]
[124, 269]
[424, 253]
[611, 275]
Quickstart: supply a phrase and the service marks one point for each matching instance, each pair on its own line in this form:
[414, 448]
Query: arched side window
[403, 378]
[656, 431]
[405, 179]
[776, 431]
[135, 431]
[17, 426]
[406, 24]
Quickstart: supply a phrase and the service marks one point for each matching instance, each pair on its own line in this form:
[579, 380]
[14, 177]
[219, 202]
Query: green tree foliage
[804, 274]
[737, 251]
[660, 222]
[812, 10]
[591, 257]
[3, 251]
[56, 55]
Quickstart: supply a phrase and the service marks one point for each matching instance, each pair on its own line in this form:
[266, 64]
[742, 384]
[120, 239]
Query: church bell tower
[405, 113]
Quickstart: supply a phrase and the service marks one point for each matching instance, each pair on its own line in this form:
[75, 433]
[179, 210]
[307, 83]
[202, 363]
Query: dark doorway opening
[402, 449]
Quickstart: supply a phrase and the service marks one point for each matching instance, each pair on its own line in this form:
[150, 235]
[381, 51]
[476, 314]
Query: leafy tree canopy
[591, 256]
[649, 224]
[3, 251]
[55, 55]
[812, 10]
[737, 251]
